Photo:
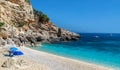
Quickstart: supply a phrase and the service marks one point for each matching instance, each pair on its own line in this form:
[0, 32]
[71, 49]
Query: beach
[19, 62]
[55, 62]
[38, 60]
[82, 35]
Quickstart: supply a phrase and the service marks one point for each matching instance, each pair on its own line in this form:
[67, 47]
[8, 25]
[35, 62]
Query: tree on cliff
[42, 17]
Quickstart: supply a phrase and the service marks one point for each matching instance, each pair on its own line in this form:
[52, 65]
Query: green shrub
[1, 24]
[42, 17]
[28, 1]
[36, 12]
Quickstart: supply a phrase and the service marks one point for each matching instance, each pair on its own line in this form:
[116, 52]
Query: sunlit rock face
[15, 11]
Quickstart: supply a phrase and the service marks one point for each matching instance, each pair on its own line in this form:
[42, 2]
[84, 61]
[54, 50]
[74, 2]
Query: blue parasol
[13, 49]
[18, 53]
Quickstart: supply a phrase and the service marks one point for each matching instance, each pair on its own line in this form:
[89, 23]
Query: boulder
[53, 40]
[8, 63]
[39, 39]
[59, 32]
[9, 41]
[31, 39]
[16, 41]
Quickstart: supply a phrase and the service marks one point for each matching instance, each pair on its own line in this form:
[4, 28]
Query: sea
[97, 48]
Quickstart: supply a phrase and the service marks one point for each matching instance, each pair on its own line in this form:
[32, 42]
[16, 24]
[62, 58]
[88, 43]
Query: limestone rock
[22, 25]
[8, 63]
[12, 12]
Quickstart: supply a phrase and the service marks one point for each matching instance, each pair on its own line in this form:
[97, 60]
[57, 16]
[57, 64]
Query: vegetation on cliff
[28, 1]
[1, 24]
[42, 17]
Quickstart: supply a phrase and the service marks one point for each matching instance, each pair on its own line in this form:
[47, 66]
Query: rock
[10, 63]
[39, 39]
[23, 39]
[2, 42]
[31, 39]
[9, 41]
[22, 63]
[22, 25]
[16, 41]
[53, 40]
[59, 32]
[3, 35]
[7, 64]
[13, 12]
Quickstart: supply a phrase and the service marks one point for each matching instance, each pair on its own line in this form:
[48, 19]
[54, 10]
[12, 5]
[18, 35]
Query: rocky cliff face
[15, 11]
[21, 25]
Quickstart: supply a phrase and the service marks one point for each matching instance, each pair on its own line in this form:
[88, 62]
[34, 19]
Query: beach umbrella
[13, 49]
[18, 53]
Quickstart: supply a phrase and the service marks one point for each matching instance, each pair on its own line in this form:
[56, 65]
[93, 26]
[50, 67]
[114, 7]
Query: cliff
[19, 23]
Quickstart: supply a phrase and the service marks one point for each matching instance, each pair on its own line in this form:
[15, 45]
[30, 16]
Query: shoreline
[56, 62]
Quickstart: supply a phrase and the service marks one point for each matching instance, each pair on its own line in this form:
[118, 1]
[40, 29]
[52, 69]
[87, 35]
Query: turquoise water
[104, 50]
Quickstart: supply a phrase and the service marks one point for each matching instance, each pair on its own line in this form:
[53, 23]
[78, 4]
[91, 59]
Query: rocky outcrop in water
[23, 26]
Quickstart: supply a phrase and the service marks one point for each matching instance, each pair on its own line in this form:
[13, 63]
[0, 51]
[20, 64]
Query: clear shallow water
[101, 49]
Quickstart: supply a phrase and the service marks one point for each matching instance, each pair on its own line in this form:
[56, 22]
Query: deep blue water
[96, 48]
